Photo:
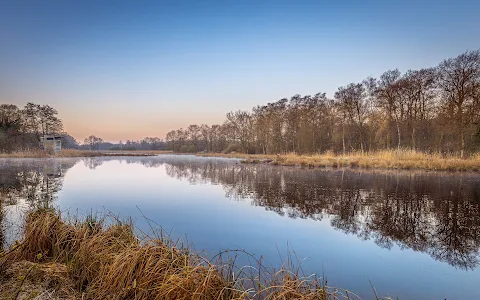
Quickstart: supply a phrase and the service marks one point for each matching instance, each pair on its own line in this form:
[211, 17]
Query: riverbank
[386, 160]
[80, 153]
[402, 160]
[102, 258]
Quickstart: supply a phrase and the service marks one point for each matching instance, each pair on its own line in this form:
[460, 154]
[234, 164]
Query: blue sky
[126, 70]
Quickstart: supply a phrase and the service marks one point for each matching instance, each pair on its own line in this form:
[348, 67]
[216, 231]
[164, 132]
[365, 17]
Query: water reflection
[27, 184]
[92, 162]
[434, 214]
[34, 182]
[430, 213]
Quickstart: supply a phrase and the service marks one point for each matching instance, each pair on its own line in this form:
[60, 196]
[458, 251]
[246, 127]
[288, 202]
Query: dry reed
[25, 154]
[391, 159]
[103, 259]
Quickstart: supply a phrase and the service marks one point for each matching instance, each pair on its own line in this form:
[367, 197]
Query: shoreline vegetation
[394, 159]
[103, 258]
[37, 153]
[386, 160]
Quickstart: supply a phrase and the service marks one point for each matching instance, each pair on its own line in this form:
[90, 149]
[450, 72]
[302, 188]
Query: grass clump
[102, 258]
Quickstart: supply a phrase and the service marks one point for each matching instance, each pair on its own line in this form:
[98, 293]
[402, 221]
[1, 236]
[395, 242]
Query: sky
[131, 69]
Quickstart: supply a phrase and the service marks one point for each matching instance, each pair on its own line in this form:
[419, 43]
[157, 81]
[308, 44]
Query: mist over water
[412, 234]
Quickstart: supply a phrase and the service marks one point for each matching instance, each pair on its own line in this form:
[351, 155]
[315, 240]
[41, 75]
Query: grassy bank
[104, 259]
[403, 159]
[79, 153]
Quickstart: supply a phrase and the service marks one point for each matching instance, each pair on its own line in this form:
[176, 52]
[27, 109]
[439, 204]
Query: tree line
[434, 109]
[149, 143]
[21, 128]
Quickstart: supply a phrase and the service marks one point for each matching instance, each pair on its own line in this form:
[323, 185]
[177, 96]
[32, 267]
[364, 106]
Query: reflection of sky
[200, 214]
[12, 221]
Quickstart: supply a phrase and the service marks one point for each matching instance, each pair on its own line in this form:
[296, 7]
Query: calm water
[413, 235]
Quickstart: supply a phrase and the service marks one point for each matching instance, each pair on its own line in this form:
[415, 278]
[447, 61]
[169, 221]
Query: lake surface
[414, 235]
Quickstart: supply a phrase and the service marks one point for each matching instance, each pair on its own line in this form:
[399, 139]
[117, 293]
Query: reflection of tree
[92, 162]
[435, 214]
[35, 182]
[31, 183]
[348, 215]
[457, 229]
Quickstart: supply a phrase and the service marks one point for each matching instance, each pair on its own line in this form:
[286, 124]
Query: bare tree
[93, 142]
[388, 97]
[459, 79]
[353, 106]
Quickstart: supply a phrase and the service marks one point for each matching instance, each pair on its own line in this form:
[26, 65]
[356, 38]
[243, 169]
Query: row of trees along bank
[149, 143]
[433, 110]
[21, 129]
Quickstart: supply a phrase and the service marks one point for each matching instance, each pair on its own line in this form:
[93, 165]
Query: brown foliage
[100, 261]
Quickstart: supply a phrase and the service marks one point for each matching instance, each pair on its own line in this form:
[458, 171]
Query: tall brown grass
[38, 153]
[391, 159]
[25, 154]
[104, 259]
